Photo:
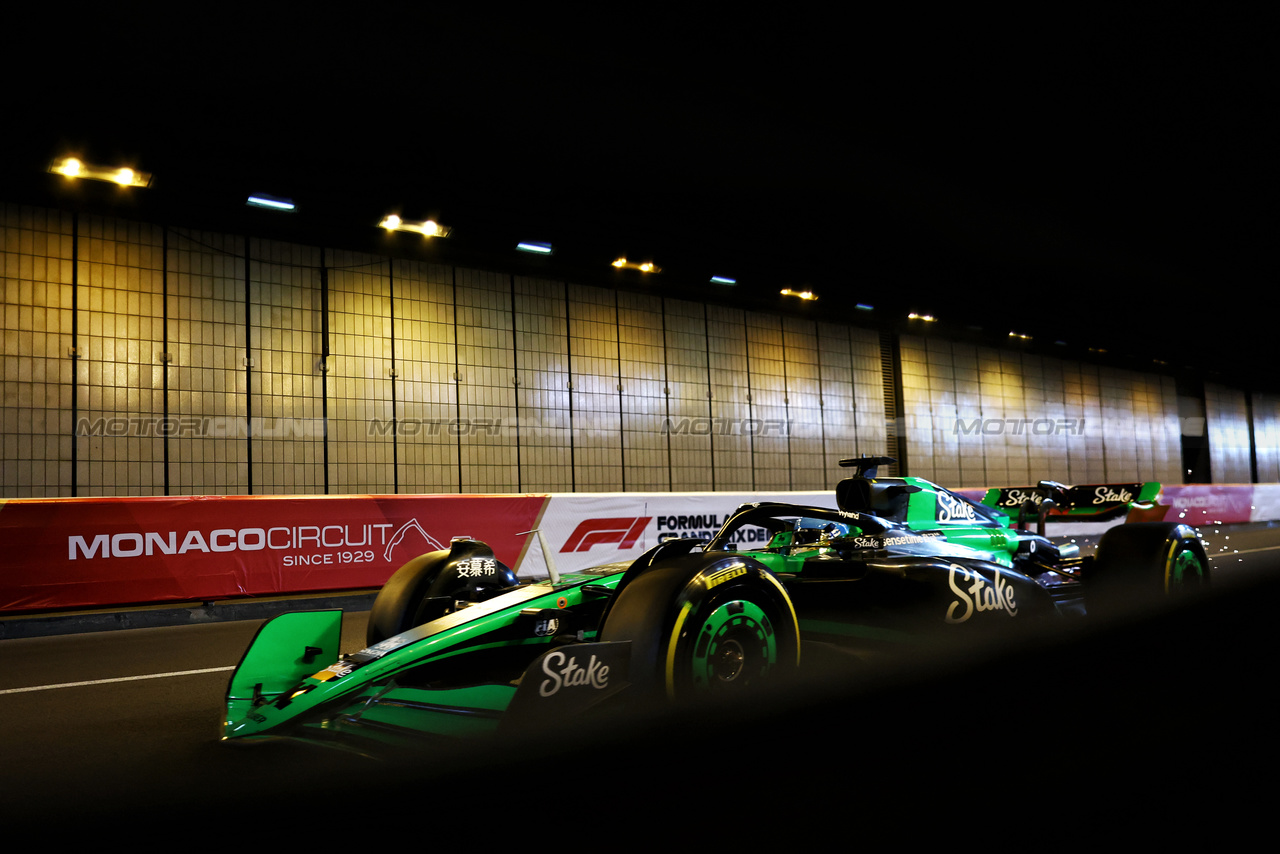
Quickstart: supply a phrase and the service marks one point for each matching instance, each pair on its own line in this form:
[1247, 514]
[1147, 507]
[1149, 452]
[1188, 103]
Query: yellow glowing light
[926, 317]
[646, 267]
[788, 292]
[73, 167]
[427, 228]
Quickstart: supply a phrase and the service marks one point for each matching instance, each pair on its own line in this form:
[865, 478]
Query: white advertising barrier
[1266, 503]
[583, 530]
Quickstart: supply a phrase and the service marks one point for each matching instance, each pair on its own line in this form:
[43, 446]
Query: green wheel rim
[735, 645]
[1184, 568]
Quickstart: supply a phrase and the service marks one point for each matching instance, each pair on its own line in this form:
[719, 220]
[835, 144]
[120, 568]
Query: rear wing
[1096, 501]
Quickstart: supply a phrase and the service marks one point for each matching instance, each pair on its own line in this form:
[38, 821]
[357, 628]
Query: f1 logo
[623, 530]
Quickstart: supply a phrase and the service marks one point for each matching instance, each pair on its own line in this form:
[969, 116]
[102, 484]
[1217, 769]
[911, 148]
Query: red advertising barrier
[90, 552]
[65, 553]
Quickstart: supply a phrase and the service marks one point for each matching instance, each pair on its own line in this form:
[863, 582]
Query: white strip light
[536, 248]
[262, 200]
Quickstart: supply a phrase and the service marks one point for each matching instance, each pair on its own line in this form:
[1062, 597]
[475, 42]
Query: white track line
[117, 679]
[1225, 553]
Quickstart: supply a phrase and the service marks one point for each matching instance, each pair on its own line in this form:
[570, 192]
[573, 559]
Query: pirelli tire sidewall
[704, 625]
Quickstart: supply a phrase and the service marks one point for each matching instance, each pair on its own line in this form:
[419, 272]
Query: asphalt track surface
[1164, 715]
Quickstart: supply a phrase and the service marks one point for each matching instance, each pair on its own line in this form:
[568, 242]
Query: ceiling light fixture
[535, 248]
[275, 203]
[806, 295]
[646, 267]
[73, 167]
[427, 228]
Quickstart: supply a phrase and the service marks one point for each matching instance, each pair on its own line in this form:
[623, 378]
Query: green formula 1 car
[457, 645]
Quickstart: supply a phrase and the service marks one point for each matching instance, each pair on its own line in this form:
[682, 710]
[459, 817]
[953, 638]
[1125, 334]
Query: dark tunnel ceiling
[1112, 189]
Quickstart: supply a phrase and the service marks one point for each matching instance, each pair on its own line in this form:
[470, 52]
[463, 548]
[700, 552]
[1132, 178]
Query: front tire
[426, 587]
[700, 628]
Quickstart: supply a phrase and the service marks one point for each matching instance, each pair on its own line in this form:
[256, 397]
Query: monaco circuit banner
[88, 552]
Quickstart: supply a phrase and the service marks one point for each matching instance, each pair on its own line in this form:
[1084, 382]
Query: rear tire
[700, 628]
[1144, 565]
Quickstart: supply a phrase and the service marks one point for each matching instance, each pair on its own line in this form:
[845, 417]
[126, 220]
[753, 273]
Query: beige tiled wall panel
[732, 424]
[804, 406]
[642, 377]
[965, 449]
[359, 374]
[36, 424]
[917, 434]
[690, 429]
[870, 432]
[285, 313]
[1086, 458]
[207, 376]
[1266, 436]
[119, 370]
[486, 390]
[837, 400]
[852, 398]
[427, 393]
[542, 354]
[1226, 415]
[596, 395]
[767, 372]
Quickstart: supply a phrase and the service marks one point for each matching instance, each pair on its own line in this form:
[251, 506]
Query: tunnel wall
[144, 360]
